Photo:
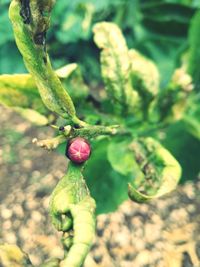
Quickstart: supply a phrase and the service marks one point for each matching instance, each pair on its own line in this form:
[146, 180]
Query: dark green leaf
[107, 186]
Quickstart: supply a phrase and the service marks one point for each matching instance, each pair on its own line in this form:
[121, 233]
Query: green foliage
[194, 51]
[185, 148]
[160, 37]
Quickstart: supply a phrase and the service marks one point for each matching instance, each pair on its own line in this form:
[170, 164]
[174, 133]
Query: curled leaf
[159, 171]
[115, 66]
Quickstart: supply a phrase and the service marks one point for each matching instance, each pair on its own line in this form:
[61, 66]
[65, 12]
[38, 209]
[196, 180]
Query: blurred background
[163, 233]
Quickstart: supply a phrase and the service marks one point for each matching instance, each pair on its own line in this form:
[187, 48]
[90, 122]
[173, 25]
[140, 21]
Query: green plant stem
[87, 132]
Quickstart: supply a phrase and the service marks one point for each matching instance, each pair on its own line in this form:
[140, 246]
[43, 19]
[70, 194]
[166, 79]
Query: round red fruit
[78, 150]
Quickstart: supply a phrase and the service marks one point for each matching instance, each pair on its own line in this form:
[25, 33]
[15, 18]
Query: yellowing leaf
[19, 90]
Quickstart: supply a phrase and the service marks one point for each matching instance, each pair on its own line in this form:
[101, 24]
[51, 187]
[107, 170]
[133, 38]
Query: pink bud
[78, 150]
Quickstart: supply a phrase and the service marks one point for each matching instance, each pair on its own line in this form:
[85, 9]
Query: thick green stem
[72, 211]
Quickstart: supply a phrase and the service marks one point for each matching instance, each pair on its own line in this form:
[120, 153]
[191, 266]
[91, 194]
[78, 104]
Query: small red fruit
[78, 150]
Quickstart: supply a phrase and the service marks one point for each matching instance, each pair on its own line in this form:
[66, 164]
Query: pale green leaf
[115, 66]
[32, 115]
[144, 75]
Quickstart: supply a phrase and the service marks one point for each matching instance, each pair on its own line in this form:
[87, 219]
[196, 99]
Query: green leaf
[121, 157]
[74, 20]
[145, 79]
[108, 187]
[160, 171]
[194, 51]
[185, 148]
[115, 66]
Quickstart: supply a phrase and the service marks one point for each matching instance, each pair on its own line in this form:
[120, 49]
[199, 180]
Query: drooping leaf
[32, 115]
[160, 171]
[18, 91]
[115, 66]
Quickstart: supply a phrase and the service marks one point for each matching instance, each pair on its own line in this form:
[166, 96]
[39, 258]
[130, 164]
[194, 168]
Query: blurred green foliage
[157, 28]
